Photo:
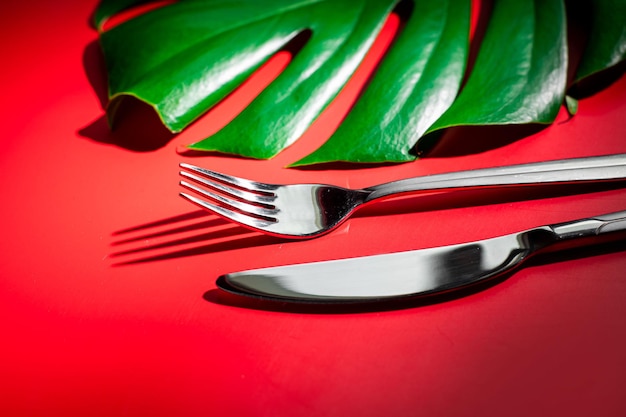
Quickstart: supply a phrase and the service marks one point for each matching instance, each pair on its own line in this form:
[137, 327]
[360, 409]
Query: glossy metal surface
[413, 273]
[303, 211]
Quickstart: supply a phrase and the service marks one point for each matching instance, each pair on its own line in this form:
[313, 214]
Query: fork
[300, 211]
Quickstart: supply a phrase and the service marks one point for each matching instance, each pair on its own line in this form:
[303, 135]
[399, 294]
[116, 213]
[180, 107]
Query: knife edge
[388, 276]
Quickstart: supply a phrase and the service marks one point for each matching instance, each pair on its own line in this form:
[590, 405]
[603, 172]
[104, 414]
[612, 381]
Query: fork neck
[390, 189]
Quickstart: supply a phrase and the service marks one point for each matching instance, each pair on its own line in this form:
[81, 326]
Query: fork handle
[566, 171]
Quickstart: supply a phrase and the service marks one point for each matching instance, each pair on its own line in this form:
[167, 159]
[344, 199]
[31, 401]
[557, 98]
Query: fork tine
[240, 194]
[249, 209]
[229, 179]
[252, 222]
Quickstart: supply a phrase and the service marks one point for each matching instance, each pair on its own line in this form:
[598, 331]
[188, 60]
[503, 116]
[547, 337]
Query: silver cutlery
[417, 272]
[301, 211]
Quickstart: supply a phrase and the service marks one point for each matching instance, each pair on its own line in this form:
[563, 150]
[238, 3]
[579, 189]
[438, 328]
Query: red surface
[107, 277]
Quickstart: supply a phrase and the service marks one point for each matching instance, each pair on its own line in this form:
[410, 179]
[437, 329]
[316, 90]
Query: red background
[107, 290]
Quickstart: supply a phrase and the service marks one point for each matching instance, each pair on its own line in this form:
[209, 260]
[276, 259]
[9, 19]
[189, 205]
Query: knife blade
[416, 272]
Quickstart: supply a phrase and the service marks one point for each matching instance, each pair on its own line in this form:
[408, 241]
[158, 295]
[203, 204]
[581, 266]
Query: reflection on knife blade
[417, 272]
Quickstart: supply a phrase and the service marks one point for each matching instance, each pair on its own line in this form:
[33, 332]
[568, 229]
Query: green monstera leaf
[519, 77]
[413, 87]
[606, 46]
[185, 57]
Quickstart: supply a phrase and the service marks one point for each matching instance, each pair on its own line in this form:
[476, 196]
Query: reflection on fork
[300, 211]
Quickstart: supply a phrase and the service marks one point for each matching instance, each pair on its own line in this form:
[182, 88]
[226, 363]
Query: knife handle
[592, 226]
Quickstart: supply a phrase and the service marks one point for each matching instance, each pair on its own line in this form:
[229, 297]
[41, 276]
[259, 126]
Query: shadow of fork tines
[199, 232]
[190, 234]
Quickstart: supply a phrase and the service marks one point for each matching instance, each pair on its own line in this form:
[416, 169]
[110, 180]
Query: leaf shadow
[189, 234]
[597, 82]
[579, 29]
[469, 140]
[450, 142]
[447, 143]
[94, 67]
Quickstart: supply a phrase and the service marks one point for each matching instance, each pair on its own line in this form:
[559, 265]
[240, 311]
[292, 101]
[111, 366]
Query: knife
[416, 272]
